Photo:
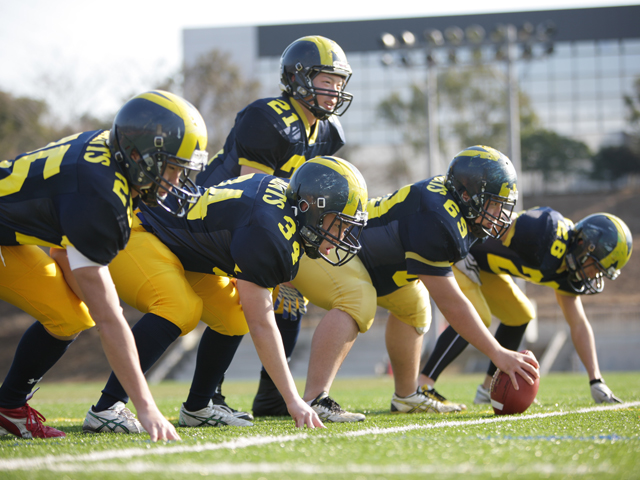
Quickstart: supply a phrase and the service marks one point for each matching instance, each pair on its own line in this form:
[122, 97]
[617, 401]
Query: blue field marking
[556, 438]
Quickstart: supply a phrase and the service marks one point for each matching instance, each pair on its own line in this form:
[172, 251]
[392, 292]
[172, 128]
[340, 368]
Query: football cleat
[211, 416]
[433, 394]
[483, 396]
[115, 419]
[26, 422]
[219, 399]
[419, 403]
[329, 410]
[268, 402]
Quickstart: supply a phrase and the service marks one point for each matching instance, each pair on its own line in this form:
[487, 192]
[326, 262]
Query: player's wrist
[595, 380]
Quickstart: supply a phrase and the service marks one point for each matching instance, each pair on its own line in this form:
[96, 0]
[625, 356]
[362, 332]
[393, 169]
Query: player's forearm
[268, 343]
[258, 310]
[585, 345]
[115, 334]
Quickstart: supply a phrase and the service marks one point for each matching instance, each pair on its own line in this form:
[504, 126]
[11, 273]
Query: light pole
[506, 40]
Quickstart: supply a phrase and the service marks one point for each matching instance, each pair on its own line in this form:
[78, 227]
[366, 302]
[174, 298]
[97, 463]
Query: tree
[22, 126]
[215, 86]
[474, 102]
[549, 152]
[613, 162]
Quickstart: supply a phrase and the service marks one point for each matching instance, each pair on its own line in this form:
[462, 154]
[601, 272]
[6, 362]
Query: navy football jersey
[70, 192]
[242, 228]
[272, 135]
[534, 249]
[418, 230]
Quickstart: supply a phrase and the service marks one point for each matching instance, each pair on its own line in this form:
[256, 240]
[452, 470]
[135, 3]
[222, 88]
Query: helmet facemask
[481, 178]
[598, 240]
[328, 197]
[303, 61]
[302, 87]
[147, 175]
[346, 244]
[152, 132]
[476, 207]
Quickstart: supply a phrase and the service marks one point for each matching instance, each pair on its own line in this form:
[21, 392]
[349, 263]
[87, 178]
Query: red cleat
[26, 422]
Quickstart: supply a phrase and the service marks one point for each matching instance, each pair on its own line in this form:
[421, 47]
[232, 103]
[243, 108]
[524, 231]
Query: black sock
[510, 338]
[153, 335]
[37, 352]
[448, 347]
[215, 353]
[289, 331]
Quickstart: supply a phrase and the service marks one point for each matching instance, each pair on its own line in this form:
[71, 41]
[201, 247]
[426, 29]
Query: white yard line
[86, 462]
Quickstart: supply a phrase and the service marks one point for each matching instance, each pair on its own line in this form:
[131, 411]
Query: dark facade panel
[602, 23]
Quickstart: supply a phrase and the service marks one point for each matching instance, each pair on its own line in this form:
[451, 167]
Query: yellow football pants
[498, 296]
[150, 278]
[33, 282]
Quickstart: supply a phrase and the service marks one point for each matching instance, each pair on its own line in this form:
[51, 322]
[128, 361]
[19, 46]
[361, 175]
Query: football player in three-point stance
[545, 248]
[411, 239]
[255, 228]
[79, 193]
[275, 136]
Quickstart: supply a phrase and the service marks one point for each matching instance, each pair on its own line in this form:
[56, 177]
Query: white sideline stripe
[60, 462]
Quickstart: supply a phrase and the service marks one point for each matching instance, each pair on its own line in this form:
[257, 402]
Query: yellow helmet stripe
[481, 151]
[325, 47]
[357, 185]
[195, 135]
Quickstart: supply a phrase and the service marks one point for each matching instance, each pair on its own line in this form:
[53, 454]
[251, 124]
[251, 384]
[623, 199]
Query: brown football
[505, 399]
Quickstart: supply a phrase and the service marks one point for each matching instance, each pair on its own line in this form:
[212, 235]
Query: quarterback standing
[79, 193]
[275, 136]
[545, 248]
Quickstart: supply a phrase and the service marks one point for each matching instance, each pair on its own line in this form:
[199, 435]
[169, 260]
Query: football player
[79, 193]
[254, 228]
[275, 136]
[544, 248]
[411, 239]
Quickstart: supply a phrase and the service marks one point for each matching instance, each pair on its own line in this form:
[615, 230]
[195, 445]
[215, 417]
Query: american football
[506, 400]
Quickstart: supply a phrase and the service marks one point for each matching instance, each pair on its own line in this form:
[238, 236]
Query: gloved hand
[293, 303]
[601, 393]
[470, 268]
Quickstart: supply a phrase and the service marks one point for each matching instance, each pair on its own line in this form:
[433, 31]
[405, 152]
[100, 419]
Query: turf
[565, 435]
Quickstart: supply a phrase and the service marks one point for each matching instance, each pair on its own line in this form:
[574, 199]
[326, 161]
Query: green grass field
[565, 435]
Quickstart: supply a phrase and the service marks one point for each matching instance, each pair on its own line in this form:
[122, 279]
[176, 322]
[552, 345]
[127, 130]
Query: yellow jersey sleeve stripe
[415, 256]
[259, 166]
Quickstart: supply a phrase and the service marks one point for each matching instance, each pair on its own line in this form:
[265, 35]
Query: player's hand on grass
[601, 393]
[157, 426]
[523, 364]
[303, 415]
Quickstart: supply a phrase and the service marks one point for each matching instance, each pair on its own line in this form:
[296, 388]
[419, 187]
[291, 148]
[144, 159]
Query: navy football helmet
[477, 176]
[324, 186]
[150, 132]
[302, 61]
[606, 240]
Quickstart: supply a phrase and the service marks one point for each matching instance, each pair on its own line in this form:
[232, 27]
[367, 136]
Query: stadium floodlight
[388, 40]
[454, 35]
[475, 33]
[408, 38]
[434, 37]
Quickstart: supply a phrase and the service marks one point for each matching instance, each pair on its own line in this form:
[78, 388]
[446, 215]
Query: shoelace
[34, 419]
[433, 392]
[331, 404]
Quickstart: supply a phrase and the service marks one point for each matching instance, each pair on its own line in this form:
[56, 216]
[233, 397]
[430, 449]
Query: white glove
[293, 303]
[470, 268]
[603, 394]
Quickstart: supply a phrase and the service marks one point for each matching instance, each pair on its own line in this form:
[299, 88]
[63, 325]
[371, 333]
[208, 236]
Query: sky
[81, 55]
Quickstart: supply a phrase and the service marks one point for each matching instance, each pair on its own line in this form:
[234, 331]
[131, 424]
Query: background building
[575, 76]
